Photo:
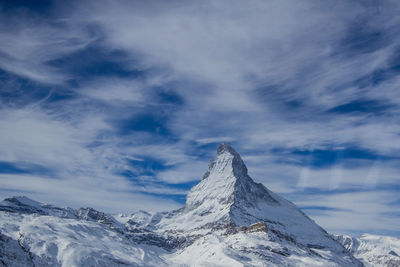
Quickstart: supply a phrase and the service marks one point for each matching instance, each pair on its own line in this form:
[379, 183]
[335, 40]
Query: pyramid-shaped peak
[227, 193]
[227, 158]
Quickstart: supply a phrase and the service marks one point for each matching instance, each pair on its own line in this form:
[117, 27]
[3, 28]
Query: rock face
[228, 220]
[228, 196]
[226, 190]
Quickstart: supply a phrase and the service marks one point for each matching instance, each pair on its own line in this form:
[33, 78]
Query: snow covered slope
[228, 217]
[227, 195]
[25, 205]
[373, 250]
[30, 238]
[228, 220]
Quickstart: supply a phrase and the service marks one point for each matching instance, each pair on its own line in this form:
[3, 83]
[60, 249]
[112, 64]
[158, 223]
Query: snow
[227, 194]
[26, 201]
[26, 205]
[373, 250]
[54, 241]
[243, 249]
[228, 220]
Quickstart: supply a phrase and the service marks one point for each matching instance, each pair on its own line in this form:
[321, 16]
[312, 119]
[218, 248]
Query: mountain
[373, 250]
[228, 196]
[35, 234]
[25, 205]
[228, 220]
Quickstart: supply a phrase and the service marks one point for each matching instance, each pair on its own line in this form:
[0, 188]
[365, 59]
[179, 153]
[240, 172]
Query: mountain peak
[227, 211]
[225, 147]
[226, 191]
[228, 161]
[23, 200]
[228, 197]
[21, 204]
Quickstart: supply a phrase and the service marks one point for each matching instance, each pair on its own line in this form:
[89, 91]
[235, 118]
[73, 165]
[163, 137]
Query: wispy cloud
[29, 43]
[132, 97]
[356, 212]
[110, 194]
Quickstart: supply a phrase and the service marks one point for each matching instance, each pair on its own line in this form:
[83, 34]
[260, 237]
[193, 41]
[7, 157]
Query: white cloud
[33, 136]
[231, 51]
[225, 44]
[186, 172]
[241, 68]
[355, 211]
[112, 195]
[29, 44]
[76, 168]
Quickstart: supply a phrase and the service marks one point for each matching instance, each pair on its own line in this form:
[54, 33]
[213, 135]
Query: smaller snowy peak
[140, 218]
[372, 250]
[24, 205]
[21, 204]
[351, 244]
[23, 200]
[90, 214]
[139, 221]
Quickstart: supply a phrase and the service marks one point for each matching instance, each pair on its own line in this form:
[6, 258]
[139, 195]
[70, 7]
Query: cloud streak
[131, 98]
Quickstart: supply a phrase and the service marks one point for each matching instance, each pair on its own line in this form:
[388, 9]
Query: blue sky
[120, 105]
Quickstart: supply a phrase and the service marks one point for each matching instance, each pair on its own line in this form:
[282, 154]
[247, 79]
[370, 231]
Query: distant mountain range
[228, 220]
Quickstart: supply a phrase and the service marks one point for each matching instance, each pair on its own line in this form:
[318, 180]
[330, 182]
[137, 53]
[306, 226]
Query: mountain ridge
[228, 195]
[228, 219]
[373, 250]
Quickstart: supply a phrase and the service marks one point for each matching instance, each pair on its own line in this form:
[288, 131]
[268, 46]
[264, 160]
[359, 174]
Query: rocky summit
[228, 220]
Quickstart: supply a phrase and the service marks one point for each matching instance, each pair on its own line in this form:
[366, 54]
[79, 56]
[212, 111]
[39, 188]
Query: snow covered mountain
[228, 220]
[373, 250]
